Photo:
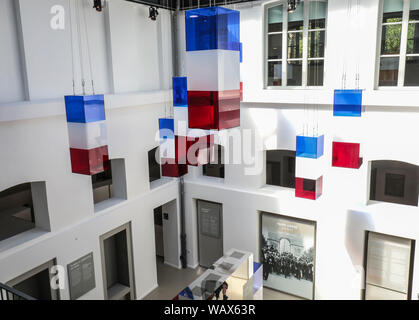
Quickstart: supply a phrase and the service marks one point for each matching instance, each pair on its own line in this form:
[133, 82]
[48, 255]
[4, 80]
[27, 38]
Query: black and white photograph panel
[288, 254]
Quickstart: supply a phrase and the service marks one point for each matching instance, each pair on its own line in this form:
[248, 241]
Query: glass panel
[295, 45]
[414, 10]
[389, 71]
[317, 14]
[315, 72]
[411, 77]
[275, 46]
[274, 73]
[392, 11]
[390, 40]
[275, 17]
[316, 44]
[296, 18]
[294, 73]
[413, 38]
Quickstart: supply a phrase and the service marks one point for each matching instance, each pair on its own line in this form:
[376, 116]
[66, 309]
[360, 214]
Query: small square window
[394, 185]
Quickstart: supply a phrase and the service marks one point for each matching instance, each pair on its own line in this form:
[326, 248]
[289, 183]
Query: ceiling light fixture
[153, 13]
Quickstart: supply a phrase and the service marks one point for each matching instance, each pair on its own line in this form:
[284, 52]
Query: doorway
[210, 232]
[117, 264]
[37, 283]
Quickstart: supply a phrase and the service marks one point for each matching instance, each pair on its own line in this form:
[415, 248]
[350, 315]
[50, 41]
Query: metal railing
[8, 293]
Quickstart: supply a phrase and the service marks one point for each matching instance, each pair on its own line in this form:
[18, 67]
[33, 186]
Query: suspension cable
[89, 56]
[80, 48]
[72, 48]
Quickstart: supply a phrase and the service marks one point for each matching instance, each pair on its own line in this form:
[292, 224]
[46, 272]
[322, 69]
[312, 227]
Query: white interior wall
[34, 138]
[171, 231]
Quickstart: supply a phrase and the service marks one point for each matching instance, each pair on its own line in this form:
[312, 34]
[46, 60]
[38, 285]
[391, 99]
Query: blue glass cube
[257, 276]
[180, 92]
[167, 128]
[84, 109]
[310, 147]
[212, 28]
[347, 103]
[241, 52]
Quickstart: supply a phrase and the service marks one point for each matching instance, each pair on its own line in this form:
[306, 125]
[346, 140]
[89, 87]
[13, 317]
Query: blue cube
[212, 28]
[84, 109]
[167, 128]
[310, 147]
[241, 52]
[257, 276]
[180, 92]
[347, 103]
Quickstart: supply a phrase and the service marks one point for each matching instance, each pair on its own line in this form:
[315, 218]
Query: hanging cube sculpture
[308, 188]
[346, 155]
[310, 147]
[213, 68]
[87, 134]
[347, 103]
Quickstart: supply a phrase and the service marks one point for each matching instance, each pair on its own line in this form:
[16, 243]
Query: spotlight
[153, 13]
[97, 4]
[292, 5]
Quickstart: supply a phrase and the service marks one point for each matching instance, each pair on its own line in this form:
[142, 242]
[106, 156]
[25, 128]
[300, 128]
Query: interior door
[210, 232]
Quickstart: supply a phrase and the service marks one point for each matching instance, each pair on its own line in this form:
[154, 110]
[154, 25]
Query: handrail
[9, 293]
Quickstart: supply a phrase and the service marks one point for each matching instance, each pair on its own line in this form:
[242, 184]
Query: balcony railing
[8, 293]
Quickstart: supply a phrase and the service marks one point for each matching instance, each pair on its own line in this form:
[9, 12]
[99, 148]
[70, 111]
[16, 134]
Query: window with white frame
[295, 44]
[399, 49]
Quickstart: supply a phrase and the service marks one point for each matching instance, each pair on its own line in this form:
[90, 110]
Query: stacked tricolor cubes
[213, 68]
[87, 134]
[347, 103]
[209, 97]
[309, 167]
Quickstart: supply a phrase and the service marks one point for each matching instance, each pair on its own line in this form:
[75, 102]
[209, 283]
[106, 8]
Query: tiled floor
[171, 281]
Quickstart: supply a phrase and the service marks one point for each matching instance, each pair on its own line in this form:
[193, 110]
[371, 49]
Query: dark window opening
[216, 167]
[395, 182]
[280, 168]
[153, 165]
[102, 186]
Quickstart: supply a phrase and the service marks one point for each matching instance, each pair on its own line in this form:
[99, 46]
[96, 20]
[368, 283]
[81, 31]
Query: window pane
[390, 41]
[413, 38]
[274, 73]
[295, 45]
[393, 11]
[389, 71]
[414, 10]
[411, 77]
[294, 73]
[316, 44]
[315, 72]
[296, 18]
[275, 46]
[317, 14]
[275, 17]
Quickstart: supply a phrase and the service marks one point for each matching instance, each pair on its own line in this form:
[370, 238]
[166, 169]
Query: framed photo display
[288, 251]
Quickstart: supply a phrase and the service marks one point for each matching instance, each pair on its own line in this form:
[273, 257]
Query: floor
[171, 281]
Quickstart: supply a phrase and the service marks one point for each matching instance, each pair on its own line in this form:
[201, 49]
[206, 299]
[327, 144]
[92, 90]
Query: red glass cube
[346, 155]
[214, 109]
[308, 189]
[200, 150]
[169, 168]
[241, 91]
[89, 161]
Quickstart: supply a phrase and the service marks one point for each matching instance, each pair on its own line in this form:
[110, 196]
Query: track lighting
[153, 13]
[97, 4]
[292, 5]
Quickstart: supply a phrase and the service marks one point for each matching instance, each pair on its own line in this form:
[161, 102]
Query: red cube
[308, 189]
[214, 109]
[346, 155]
[169, 168]
[89, 161]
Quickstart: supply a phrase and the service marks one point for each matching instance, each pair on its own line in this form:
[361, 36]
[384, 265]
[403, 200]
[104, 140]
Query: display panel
[388, 267]
[81, 276]
[288, 254]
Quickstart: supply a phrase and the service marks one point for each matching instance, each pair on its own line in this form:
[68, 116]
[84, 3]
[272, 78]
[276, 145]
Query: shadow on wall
[356, 224]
